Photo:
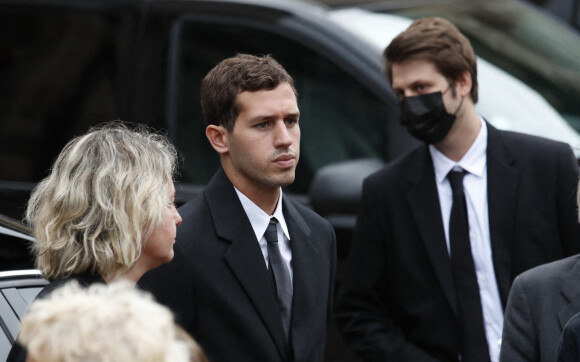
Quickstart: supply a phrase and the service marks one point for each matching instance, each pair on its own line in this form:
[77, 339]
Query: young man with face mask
[432, 264]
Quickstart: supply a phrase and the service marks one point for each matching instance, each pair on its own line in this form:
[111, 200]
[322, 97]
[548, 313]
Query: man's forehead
[413, 71]
[268, 101]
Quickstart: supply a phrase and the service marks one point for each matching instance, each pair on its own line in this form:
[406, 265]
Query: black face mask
[426, 118]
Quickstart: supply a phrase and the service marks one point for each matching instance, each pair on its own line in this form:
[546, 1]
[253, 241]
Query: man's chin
[288, 180]
[284, 181]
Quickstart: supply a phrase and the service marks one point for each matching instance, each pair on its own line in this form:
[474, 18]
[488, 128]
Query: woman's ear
[218, 137]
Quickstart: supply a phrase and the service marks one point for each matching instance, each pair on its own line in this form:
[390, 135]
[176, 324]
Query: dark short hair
[243, 72]
[438, 41]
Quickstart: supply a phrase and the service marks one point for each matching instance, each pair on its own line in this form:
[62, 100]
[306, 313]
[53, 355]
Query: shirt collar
[473, 161]
[260, 219]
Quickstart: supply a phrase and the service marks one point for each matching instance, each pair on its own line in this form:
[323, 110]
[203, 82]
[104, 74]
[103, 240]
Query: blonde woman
[106, 210]
[75, 324]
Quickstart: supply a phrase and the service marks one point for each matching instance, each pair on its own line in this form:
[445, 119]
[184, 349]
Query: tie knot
[271, 233]
[456, 179]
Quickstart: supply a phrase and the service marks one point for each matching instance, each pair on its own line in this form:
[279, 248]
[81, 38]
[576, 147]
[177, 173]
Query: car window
[17, 291]
[5, 342]
[14, 252]
[58, 69]
[340, 118]
[63, 68]
[8, 327]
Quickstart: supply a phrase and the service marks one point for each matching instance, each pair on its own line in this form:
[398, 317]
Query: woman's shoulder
[84, 280]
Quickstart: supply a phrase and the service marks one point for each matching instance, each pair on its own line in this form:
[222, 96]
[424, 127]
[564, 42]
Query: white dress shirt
[260, 220]
[475, 188]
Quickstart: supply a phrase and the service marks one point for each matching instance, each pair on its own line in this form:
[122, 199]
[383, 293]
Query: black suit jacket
[398, 302]
[220, 289]
[541, 302]
[569, 347]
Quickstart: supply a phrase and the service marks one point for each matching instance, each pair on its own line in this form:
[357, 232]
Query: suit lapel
[244, 255]
[502, 179]
[424, 201]
[571, 294]
[423, 198]
[305, 272]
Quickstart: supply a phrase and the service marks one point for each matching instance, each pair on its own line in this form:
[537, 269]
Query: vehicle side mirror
[335, 194]
[337, 188]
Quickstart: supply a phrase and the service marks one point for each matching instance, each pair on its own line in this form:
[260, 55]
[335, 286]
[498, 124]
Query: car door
[19, 281]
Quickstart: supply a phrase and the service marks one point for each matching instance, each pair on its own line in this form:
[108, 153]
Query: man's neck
[461, 136]
[266, 201]
[266, 198]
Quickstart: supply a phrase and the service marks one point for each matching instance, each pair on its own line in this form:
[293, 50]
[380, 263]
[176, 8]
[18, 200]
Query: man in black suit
[435, 252]
[240, 295]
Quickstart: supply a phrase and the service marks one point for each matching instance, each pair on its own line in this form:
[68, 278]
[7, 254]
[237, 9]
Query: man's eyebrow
[293, 114]
[262, 118]
[271, 117]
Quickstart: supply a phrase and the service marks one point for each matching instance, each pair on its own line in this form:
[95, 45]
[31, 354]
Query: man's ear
[464, 83]
[218, 137]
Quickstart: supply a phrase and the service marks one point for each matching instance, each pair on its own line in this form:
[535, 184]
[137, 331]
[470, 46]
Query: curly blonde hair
[103, 197]
[104, 323]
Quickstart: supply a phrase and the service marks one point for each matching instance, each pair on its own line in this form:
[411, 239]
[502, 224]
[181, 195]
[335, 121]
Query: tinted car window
[340, 118]
[14, 252]
[58, 75]
[17, 291]
[63, 68]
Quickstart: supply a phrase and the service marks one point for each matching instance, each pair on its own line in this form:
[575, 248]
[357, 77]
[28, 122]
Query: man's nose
[282, 137]
[410, 93]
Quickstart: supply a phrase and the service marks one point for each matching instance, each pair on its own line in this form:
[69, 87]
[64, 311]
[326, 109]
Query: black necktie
[473, 341]
[281, 275]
